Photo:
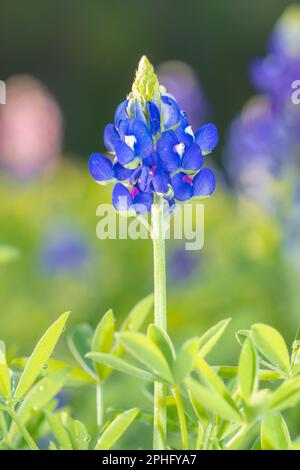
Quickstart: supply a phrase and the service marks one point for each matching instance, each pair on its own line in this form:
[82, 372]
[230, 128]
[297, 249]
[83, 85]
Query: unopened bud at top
[146, 85]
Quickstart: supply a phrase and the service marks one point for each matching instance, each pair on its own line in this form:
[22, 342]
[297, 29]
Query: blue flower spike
[154, 152]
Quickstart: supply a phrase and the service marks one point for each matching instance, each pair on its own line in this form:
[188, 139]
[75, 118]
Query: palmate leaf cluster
[210, 407]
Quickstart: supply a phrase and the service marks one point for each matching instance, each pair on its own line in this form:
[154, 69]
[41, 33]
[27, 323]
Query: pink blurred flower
[31, 128]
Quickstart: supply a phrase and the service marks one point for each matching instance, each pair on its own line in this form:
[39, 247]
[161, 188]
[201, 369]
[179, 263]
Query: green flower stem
[181, 416]
[160, 319]
[27, 437]
[99, 404]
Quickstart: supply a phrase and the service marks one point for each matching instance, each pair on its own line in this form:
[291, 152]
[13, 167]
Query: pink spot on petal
[188, 179]
[134, 192]
[153, 170]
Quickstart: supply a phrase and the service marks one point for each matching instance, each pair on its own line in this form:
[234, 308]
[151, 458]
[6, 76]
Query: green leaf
[121, 365]
[77, 432]
[138, 314]
[212, 401]
[214, 382]
[199, 410]
[212, 336]
[230, 372]
[58, 430]
[186, 359]
[296, 354]
[80, 343]
[40, 355]
[248, 370]
[116, 429]
[245, 438]
[81, 436]
[274, 433]
[38, 397]
[102, 341]
[145, 351]
[241, 335]
[163, 342]
[76, 378]
[5, 383]
[286, 396]
[271, 345]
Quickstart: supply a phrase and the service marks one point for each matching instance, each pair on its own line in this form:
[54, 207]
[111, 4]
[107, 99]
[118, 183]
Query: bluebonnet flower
[263, 144]
[155, 153]
[275, 72]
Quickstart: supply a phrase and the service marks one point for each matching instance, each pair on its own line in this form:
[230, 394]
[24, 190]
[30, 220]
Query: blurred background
[66, 66]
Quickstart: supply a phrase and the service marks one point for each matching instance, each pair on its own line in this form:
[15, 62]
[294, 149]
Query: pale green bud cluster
[145, 86]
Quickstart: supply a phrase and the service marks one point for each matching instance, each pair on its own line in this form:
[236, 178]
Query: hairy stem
[99, 404]
[160, 319]
[27, 437]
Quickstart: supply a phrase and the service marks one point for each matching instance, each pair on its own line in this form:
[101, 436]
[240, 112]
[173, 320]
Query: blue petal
[160, 181]
[121, 112]
[172, 205]
[121, 198]
[207, 137]
[183, 188]
[124, 153]
[170, 112]
[168, 158]
[100, 167]
[121, 173]
[204, 183]
[144, 182]
[182, 132]
[192, 158]
[111, 135]
[136, 174]
[144, 143]
[154, 117]
[143, 202]
[151, 160]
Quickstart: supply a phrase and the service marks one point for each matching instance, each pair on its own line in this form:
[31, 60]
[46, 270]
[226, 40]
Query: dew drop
[45, 366]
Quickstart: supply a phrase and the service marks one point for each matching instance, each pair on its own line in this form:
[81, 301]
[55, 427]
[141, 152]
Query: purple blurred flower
[64, 252]
[258, 148]
[180, 80]
[183, 265]
[263, 141]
